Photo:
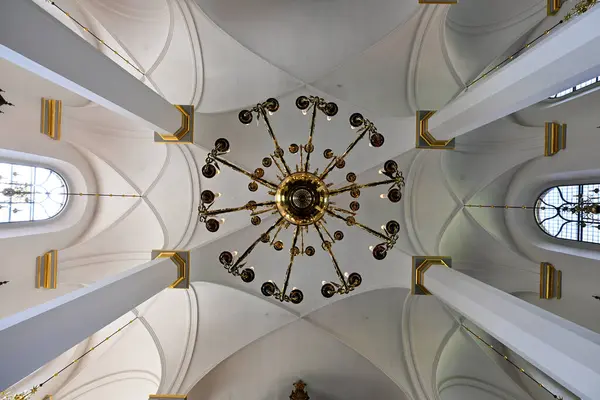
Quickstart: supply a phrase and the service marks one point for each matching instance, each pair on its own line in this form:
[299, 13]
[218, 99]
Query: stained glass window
[30, 193]
[570, 212]
[576, 88]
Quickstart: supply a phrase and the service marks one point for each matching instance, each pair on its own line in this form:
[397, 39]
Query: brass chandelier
[302, 198]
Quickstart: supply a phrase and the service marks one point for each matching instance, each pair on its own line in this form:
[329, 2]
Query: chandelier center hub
[302, 198]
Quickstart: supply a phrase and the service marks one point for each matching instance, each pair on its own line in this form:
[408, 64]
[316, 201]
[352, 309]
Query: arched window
[570, 212]
[580, 87]
[30, 193]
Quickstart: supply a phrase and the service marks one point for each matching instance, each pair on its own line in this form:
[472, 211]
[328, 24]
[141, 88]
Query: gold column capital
[51, 118]
[553, 6]
[420, 265]
[550, 282]
[555, 138]
[46, 275]
[181, 259]
[185, 134]
[424, 139]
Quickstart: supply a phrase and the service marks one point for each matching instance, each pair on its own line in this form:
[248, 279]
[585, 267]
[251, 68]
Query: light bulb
[222, 220]
[294, 288]
[217, 194]
[270, 281]
[380, 172]
[352, 127]
[323, 282]
[270, 112]
[218, 171]
[383, 196]
[235, 253]
[383, 227]
[328, 118]
[304, 112]
[370, 145]
[252, 268]
[346, 274]
[371, 248]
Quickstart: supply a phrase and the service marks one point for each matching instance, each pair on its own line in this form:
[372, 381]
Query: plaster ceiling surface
[337, 362]
[296, 36]
[464, 371]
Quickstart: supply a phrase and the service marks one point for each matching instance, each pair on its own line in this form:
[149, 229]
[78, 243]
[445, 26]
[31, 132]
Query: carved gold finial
[299, 392]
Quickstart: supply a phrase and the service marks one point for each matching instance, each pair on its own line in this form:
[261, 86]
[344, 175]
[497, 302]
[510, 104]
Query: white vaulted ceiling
[384, 58]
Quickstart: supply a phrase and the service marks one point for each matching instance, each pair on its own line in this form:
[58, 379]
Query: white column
[565, 351]
[36, 41]
[31, 338]
[566, 57]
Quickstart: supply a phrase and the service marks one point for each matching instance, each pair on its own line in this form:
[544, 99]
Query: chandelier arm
[209, 213]
[277, 164]
[234, 167]
[288, 272]
[342, 210]
[333, 260]
[310, 137]
[278, 149]
[253, 245]
[355, 186]
[348, 150]
[364, 227]
[325, 229]
[274, 208]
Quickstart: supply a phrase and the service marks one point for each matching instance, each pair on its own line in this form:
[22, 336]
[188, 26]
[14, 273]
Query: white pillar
[31, 338]
[34, 40]
[566, 57]
[565, 351]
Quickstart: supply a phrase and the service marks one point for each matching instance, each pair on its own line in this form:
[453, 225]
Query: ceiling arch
[278, 30]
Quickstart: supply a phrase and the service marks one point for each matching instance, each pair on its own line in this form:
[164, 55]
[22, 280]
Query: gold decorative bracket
[185, 134]
[424, 139]
[181, 259]
[438, 2]
[550, 282]
[555, 138]
[420, 265]
[51, 119]
[167, 396]
[46, 275]
[554, 6]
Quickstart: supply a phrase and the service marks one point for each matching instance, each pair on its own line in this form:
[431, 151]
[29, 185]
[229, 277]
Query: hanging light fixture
[302, 198]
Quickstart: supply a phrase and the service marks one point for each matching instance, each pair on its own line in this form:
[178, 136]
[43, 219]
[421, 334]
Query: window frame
[580, 192]
[575, 92]
[62, 209]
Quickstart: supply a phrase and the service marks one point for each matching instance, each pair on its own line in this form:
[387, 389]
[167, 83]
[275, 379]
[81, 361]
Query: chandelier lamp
[301, 199]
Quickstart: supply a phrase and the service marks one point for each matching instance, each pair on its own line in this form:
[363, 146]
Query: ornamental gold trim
[181, 259]
[424, 139]
[51, 118]
[46, 275]
[185, 134]
[555, 138]
[420, 265]
[550, 282]
[553, 7]
[167, 396]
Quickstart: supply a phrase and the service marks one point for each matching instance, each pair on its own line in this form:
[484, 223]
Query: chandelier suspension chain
[4, 395]
[85, 28]
[473, 334]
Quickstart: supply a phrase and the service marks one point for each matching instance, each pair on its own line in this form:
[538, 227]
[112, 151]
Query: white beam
[561, 349]
[565, 58]
[32, 338]
[34, 40]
